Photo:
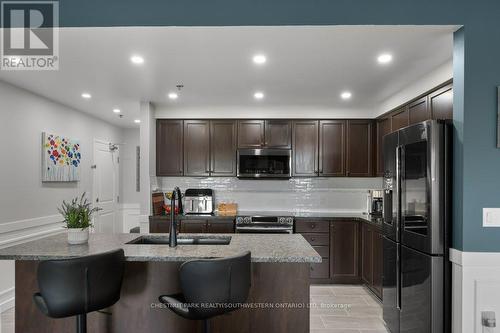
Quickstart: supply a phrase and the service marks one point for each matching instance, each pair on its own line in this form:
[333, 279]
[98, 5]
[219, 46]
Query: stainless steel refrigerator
[416, 226]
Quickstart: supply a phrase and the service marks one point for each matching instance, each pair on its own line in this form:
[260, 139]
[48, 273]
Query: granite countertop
[300, 215]
[363, 217]
[273, 248]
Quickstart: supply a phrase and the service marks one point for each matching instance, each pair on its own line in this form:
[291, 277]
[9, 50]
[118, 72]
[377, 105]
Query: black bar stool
[77, 286]
[224, 283]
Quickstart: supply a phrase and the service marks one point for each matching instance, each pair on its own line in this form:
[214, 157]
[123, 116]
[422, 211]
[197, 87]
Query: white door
[105, 187]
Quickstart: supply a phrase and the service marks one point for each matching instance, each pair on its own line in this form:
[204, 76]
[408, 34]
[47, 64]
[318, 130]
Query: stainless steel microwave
[264, 163]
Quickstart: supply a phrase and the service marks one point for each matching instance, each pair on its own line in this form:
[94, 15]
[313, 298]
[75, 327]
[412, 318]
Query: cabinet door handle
[313, 239]
[313, 226]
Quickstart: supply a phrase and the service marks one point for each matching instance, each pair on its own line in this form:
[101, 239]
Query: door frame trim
[95, 143]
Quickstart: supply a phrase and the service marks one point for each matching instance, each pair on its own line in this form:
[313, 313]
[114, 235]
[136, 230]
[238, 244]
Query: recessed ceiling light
[384, 58]
[86, 95]
[117, 110]
[138, 60]
[258, 95]
[346, 95]
[173, 95]
[259, 59]
[137, 121]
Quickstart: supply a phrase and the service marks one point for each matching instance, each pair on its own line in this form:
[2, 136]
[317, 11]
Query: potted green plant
[78, 218]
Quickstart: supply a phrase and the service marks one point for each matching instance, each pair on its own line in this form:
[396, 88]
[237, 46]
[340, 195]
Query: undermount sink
[199, 240]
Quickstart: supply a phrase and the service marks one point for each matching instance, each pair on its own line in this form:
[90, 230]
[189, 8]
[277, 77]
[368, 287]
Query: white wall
[28, 207]
[346, 195]
[24, 117]
[128, 193]
[430, 80]
[130, 198]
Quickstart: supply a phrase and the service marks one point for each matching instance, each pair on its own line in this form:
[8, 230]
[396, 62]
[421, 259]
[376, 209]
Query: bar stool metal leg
[206, 326]
[81, 323]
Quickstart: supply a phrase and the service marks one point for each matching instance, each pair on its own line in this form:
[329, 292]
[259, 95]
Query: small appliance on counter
[375, 203]
[199, 201]
[158, 202]
[227, 209]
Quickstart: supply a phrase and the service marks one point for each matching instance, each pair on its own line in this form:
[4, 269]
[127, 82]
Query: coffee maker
[375, 203]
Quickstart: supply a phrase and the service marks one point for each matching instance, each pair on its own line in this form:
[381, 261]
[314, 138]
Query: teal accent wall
[476, 70]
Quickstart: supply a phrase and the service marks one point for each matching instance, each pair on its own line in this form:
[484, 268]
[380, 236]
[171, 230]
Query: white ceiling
[306, 66]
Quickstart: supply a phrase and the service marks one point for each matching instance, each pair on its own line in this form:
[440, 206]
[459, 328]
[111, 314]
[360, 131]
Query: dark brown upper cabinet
[418, 110]
[278, 134]
[223, 148]
[383, 128]
[332, 146]
[400, 119]
[359, 148]
[251, 133]
[196, 148]
[264, 134]
[305, 148]
[441, 103]
[169, 147]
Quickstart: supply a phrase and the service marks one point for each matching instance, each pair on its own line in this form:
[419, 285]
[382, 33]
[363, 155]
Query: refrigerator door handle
[398, 191]
[398, 278]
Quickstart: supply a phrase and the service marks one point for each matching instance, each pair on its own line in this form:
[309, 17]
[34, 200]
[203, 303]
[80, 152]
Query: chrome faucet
[176, 193]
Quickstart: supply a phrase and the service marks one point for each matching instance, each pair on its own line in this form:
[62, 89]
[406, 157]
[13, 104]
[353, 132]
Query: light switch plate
[491, 217]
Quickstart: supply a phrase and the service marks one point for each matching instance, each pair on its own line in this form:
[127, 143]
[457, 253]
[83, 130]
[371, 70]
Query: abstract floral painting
[61, 158]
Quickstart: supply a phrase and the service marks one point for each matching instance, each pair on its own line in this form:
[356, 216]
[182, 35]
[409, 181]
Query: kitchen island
[278, 299]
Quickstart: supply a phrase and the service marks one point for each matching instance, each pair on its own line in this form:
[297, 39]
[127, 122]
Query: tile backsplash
[294, 195]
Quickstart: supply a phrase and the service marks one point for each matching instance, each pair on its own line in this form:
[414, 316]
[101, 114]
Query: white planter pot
[78, 236]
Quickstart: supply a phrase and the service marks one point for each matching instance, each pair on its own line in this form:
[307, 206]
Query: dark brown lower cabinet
[366, 254]
[351, 251]
[220, 227]
[214, 226]
[372, 258]
[159, 225]
[378, 262]
[193, 226]
[337, 243]
[317, 233]
[344, 240]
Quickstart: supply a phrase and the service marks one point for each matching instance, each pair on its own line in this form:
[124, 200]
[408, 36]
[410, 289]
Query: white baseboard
[476, 288]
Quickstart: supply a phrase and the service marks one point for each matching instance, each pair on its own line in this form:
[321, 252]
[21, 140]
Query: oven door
[264, 163]
[259, 229]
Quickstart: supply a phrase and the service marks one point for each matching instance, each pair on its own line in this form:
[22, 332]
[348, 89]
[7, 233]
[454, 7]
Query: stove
[263, 223]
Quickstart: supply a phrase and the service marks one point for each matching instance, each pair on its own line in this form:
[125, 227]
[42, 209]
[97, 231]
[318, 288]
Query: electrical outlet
[491, 217]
